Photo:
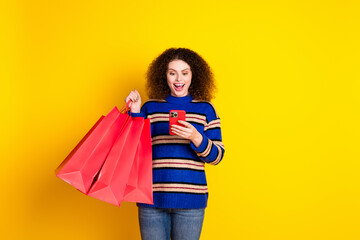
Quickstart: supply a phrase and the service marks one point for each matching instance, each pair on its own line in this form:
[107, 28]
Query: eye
[186, 73]
[171, 73]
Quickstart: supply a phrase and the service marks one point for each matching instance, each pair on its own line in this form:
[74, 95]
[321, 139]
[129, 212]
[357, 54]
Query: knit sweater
[179, 179]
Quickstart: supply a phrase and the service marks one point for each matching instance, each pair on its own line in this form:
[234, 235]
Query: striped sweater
[179, 179]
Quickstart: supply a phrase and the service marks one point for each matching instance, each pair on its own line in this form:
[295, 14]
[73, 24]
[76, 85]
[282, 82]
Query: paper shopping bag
[132, 142]
[139, 186]
[83, 163]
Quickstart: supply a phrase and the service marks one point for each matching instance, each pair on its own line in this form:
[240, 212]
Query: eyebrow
[181, 70]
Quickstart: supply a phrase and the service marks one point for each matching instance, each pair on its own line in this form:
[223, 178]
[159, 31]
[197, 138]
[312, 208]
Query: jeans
[180, 224]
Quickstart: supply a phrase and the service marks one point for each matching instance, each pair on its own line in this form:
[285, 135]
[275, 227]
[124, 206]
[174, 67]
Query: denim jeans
[180, 224]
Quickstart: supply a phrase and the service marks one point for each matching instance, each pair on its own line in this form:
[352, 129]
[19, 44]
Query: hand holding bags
[118, 149]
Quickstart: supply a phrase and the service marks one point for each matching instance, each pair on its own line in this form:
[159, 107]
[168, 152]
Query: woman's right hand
[134, 96]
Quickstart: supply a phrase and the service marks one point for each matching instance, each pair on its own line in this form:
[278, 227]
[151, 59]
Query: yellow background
[289, 96]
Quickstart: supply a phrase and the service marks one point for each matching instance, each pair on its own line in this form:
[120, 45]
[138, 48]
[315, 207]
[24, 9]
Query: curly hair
[202, 85]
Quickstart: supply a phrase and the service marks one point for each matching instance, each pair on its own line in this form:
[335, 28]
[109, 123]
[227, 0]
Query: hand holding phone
[174, 116]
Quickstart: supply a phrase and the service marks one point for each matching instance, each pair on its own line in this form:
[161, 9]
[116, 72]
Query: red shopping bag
[139, 186]
[83, 163]
[127, 172]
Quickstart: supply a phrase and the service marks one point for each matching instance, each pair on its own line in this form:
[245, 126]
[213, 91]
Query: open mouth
[179, 86]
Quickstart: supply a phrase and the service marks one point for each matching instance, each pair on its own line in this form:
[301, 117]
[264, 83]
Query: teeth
[179, 85]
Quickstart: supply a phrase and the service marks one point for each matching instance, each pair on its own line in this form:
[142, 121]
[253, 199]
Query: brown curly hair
[202, 85]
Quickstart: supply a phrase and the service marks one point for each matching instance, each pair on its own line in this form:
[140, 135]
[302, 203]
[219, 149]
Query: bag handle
[126, 107]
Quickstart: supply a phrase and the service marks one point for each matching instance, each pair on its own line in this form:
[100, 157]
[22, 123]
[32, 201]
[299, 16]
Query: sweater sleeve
[211, 149]
[140, 114]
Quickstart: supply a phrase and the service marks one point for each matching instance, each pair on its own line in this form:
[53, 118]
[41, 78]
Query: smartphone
[174, 116]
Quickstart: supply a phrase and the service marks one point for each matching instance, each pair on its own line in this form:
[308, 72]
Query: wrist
[135, 110]
[197, 139]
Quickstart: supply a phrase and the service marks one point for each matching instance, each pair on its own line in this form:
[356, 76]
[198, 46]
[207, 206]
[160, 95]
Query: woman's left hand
[187, 132]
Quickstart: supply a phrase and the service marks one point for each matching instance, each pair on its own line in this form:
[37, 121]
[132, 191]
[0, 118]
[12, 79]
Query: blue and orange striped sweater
[179, 179]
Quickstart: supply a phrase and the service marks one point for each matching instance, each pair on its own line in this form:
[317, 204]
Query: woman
[179, 79]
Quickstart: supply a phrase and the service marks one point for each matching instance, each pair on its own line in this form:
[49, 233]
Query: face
[178, 78]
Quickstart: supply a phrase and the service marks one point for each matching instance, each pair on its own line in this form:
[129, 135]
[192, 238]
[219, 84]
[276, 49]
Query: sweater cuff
[202, 146]
[140, 114]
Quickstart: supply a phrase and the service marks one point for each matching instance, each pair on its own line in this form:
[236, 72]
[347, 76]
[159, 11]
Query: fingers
[186, 124]
[179, 128]
[134, 96]
[182, 131]
[188, 131]
[137, 94]
[177, 132]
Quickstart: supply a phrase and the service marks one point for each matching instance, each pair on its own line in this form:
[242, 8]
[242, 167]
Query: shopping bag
[82, 165]
[139, 186]
[122, 171]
